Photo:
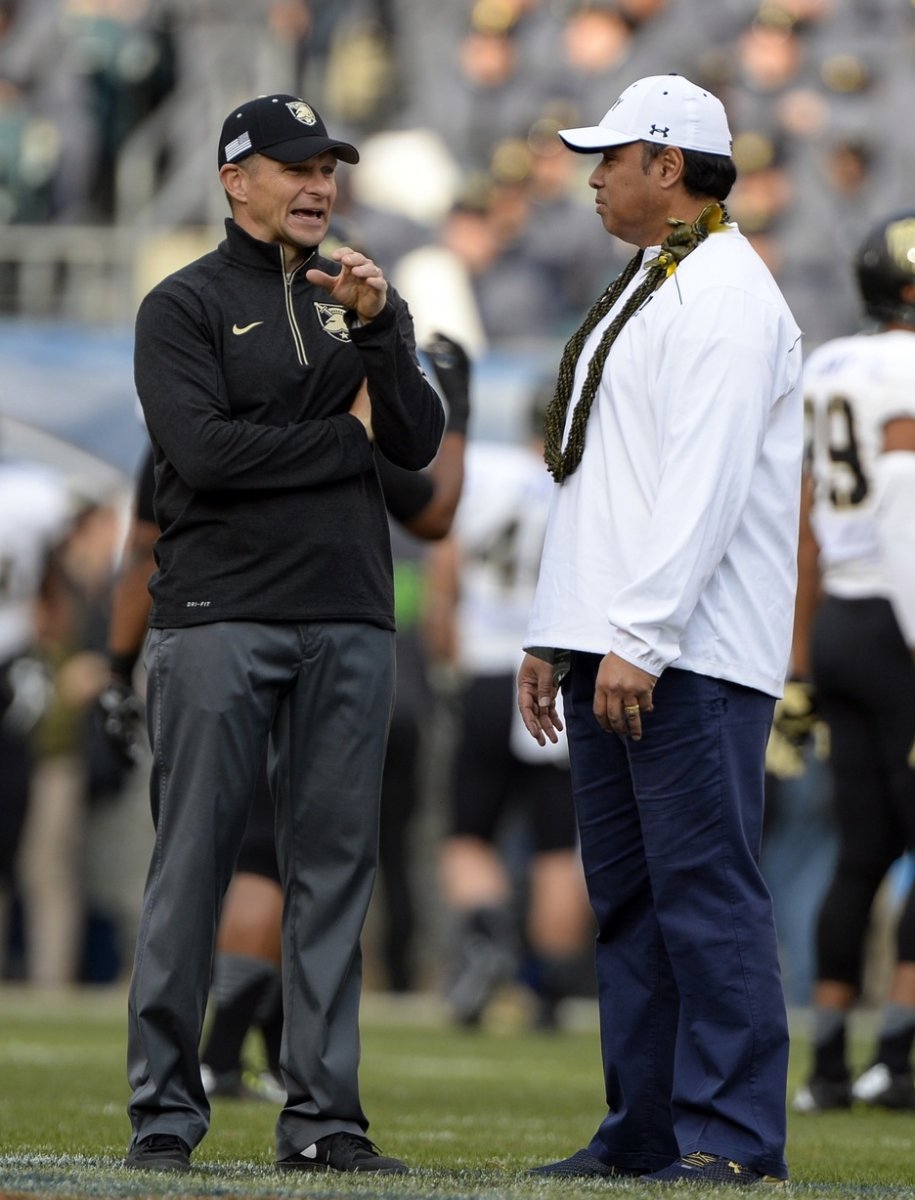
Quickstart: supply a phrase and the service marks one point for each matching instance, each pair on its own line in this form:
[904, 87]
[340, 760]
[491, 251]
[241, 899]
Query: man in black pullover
[266, 374]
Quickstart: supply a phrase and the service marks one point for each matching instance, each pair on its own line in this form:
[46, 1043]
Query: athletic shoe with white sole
[265, 1085]
[159, 1152]
[879, 1087]
[822, 1095]
[247, 1085]
[702, 1168]
[343, 1152]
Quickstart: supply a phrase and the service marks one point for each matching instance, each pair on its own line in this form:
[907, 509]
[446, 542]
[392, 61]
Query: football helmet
[884, 265]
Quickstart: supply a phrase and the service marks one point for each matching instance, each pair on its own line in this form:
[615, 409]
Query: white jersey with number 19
[852, 387]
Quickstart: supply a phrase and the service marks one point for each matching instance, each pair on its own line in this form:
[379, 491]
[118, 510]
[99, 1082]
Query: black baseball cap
[282, 127]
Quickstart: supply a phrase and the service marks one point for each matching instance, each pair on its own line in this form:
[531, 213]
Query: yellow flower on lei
[686, 236]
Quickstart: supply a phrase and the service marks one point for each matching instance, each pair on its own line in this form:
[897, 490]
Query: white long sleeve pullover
[674, 543]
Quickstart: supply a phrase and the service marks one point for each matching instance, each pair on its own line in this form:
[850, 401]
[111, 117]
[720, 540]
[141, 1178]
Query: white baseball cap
[667, 109]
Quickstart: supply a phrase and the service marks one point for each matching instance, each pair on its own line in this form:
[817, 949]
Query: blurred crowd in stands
[455, 105]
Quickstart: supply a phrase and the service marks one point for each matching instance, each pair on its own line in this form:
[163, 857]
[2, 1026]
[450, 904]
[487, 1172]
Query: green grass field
[471, 1112]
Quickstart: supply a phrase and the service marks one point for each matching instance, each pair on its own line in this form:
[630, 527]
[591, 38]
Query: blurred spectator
[72, 768]
[555, 228]
[508, 246]
[608, 44]
[35, 516]
[442, 279]
[837, 187]
[223, 51]
[481, 93]
[362, 79]
[45, 128]
[761, 198]
[596, 42]
[421, 510]
[765, 75]
[512, 880]
[124, 55]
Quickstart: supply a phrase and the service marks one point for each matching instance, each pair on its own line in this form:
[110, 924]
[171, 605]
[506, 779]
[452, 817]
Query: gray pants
[317, 698]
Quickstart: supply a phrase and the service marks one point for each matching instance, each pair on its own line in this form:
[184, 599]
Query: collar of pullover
[251, 252]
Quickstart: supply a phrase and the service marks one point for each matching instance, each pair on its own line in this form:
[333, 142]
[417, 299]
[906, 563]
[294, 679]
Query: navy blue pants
[692, 1015]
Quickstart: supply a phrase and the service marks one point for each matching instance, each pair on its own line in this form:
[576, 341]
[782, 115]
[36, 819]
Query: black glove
[121, 715]
[452, 370]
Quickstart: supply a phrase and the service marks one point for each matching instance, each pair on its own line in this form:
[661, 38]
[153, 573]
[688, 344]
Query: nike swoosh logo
[240, 329]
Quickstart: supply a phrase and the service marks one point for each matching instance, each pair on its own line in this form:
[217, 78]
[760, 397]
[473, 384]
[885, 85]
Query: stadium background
[109, 111]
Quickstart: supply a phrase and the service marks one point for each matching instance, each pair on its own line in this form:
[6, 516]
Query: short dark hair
[703, 174]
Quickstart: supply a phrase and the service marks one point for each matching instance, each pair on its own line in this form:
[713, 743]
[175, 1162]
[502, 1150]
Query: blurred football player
[854, 643]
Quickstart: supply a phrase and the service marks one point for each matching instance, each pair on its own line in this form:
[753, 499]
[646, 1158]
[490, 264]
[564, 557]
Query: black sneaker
[879, 1087]
[581, 1165]
[711, 1169]
[343, 1152]
[821, 1095]
[159, 1152]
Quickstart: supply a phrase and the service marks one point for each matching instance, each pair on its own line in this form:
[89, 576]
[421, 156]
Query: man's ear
[670, 166]
[235, 181]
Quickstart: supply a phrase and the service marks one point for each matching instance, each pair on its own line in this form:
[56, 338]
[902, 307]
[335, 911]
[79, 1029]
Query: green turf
[471, 1111]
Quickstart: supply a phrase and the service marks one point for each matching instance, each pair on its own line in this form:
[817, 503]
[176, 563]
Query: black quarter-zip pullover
[267, 495]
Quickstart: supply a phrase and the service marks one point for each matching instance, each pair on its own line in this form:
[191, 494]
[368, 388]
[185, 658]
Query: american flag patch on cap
[238, 146]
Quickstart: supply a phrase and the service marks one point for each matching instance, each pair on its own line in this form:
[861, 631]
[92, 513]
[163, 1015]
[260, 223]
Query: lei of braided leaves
[682, 240]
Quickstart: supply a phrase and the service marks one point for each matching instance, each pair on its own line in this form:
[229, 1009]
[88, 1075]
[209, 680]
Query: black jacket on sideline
[267, 494]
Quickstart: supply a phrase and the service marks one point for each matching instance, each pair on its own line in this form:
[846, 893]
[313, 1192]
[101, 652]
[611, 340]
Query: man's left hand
[622, 695]
[537, 700]
[361, 284]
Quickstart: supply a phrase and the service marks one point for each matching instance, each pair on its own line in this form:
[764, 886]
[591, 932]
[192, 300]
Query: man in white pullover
[665, 598]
